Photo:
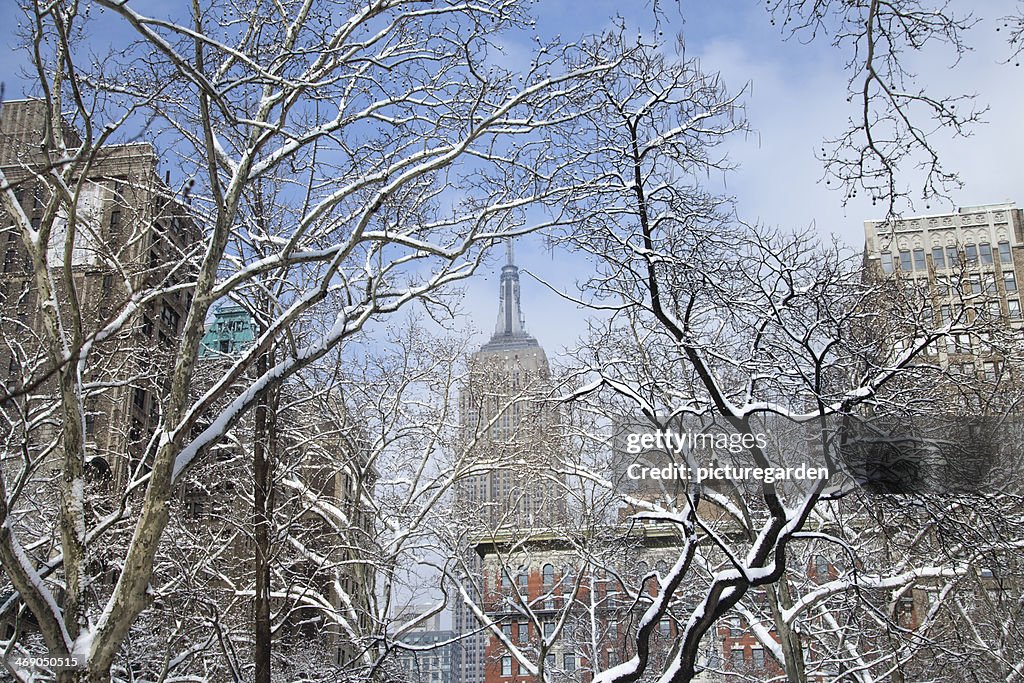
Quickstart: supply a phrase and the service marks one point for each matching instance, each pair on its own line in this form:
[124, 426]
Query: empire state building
[510, 424]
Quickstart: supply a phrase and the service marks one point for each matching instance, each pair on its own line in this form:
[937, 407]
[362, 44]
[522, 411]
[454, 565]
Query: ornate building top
[510, 331]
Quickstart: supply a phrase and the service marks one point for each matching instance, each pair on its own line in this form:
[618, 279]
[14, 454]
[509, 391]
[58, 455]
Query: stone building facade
[129, 264]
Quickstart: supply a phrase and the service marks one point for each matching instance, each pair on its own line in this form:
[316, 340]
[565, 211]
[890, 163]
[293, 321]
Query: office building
[968, 266]
[430, 648]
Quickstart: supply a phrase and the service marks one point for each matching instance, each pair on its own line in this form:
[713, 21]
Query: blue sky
[796, 98]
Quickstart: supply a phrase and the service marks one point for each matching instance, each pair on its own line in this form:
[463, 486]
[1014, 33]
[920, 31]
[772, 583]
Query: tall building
[323, 479]
[120, 291]
[510, 427]
[131, 236]
[507, 420]
[968, 264]
[430, 649]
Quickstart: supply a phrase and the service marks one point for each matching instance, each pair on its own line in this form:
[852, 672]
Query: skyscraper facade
[968, 265]
[130, 235]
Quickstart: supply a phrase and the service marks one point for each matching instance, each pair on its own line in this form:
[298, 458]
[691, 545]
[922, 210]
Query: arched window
[548, 574]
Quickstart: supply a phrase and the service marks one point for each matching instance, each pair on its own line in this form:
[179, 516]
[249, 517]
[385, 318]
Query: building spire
[510, 330]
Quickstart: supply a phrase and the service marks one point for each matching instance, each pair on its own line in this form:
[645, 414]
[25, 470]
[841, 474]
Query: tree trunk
[263, 511]
[789, 640]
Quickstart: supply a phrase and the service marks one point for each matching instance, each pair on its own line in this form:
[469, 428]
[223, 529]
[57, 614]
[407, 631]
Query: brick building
[572, 606]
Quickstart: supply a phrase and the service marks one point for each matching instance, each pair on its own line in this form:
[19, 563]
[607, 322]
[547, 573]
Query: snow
[83, 644]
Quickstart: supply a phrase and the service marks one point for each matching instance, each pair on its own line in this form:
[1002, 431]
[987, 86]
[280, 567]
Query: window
[506, 630]
[569, 661]
[549, 628]
[548, 575]
[90, 423]
[952, 257]
[1004, 253]
[195, 507]
[523, 580]
[989, 279]
[119, 182]
[985, 250]
[665, 627]
[1013, 308]
[734, 627]
[549, 663]
[506, 665]
[1009, 281]
[820, 566]
[568, 577]
[506, 582]
[975, 284]
[919, 261]
[938, 257]
[905, 261]
[523, 631]
[139, 397]
[758, 655]
[906, 609]
[170, 318]
[887, 263]
[738, 656]
[147, 326]
[971, 253]
[991, 370]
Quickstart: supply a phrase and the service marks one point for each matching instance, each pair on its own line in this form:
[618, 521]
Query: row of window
[739, 657]
[547, 577]
[952, 312]
[961, 344]
[550, 663]
[523, 630]
[948, 257]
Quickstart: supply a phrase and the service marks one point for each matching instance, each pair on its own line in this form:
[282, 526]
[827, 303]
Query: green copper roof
[230, 333]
